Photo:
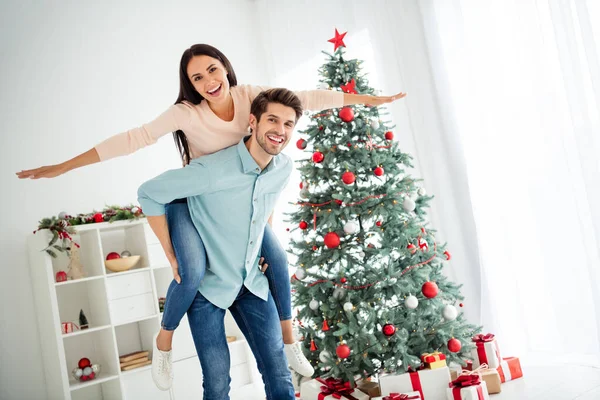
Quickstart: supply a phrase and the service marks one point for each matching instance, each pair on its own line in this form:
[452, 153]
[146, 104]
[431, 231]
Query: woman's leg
[191, 260]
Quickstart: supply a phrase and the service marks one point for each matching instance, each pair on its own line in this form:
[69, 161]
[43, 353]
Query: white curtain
[503, 120]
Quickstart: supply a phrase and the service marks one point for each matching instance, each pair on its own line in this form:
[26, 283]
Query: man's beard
[262, 142]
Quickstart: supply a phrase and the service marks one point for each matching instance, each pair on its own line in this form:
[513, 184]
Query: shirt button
[251, 242]
[247, 262]
[253, 222]
[255, 199]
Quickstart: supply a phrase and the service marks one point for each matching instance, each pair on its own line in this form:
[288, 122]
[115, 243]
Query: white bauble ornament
[375, 124]
[78, 372]
[409, 205]
[313, 305]
[338, 293]
[305, 194]
[348, 306]
[300, 273]
[324, 356]
[135, 210]
[125, 254]
[96, 368]
[361, 254]
[327, 130]
[422, 192]
[87, 370]
[62, 215]
[411, 302]
[323, 86]
[450, 313]
[350, 227]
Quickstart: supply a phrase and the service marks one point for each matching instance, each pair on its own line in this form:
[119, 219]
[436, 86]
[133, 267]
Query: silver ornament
[323, 86]
[87, 370]
[375, 124]
[62, 215]
[96, 368]
[338, 293]
[135, 210]
[314, 304]
[450, 313]
[327, 130]
[77, 372]
[125, 254]
[411, 302]
[348, 306]
[324, 356]
[409, 205]
[361, 254]
[350, 227]
[300, 273]
[305, 194]
[422, 192]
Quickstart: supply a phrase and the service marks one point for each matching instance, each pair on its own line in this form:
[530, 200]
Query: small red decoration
[448, 255]
[315, 248]
[313, 346]
[389, 330]
[338, 40]
[325, 326]
[318, 157]
[412, 248]
[350, 87]
[332, 240]
[303, 225]
[378, 171]
[378, 223]
[343, 280]
[84, 362]
[343, 351]
[320, 127]
[346, 114]
[61, 276]
[461, 304]
[430, 290]
[113, 255]
[348, 178]
[98, 217]
[301, 144]
[454, 345]
[389, 135]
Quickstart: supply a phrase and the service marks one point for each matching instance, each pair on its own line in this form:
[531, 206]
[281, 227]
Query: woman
[210, 114]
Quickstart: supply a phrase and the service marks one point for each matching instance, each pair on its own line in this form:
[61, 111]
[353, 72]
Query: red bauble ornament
[98, 217]
[301, 144]
[448, 255]
[318, 157]
[325, 326]
[343, 351]
[378, 223]
[303, 225]
[301, 185]
[338, 40]
[430, 290]
[389, 330]
[332, 240]
[313, 346]
[348, 178]
[320, 127]
[92, 375]
[344, 280]
[338, 202]
[113, 255]
[346, 114]
[378, 171]
[315, 248]
[287, 229]
[454, 345]
[370, 246]
[61, 276]
[84, 362]
[461, 304]
[389, 135]
[412, 248]
[349, 144]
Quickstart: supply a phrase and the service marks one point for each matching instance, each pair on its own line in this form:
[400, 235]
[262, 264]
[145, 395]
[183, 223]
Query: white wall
[71, 75]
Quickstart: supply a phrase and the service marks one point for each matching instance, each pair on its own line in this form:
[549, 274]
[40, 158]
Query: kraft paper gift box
[400, 396]
[434, 360]
[430, 383]
[330, 389]
[370, 388]
[510, 369]
[486, 351]
[491, 377]
[467, 387]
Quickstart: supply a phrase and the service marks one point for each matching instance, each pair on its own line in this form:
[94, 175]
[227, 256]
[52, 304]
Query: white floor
[540, 382]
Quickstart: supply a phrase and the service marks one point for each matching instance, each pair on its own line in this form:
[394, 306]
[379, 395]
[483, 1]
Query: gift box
[330, 389]
[491, 377]
[434, 360]
[509, 369]
[467, 387]
[400, 396]
[486, 351]
[370, 388]
[431, 384]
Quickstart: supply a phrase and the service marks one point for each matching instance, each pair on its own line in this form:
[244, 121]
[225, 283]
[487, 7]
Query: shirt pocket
[269, 201]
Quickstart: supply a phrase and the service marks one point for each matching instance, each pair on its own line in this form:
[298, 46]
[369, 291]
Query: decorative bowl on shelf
[121, 264]
[87, 373]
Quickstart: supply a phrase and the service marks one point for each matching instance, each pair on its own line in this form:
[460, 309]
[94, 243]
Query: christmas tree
[369, 286]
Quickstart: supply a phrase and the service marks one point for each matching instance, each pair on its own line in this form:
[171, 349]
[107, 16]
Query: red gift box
[509, 369]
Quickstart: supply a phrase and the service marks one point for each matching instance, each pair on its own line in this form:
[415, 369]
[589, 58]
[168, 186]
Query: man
[240, 184]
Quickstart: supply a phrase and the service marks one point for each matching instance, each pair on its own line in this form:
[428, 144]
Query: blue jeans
[259, 322]
[191, 260]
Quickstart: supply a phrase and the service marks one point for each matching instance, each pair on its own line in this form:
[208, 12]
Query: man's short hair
[277, 95]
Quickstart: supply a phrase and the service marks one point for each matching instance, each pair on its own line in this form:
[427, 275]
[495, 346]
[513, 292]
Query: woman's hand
[379, 100]
[262, 265]
[175, 268]
[49, 171]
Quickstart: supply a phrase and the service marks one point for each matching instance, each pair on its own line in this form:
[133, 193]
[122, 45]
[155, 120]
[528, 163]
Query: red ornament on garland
[378, 171]
[313, 346]
[430, 290]
[344, 280]
[389, 135]
[332, 240]
[346, 114]
[348, 178]
[338, 40]
[338, 202]
[303, 225]
[315, 248]
[378, 223]
[318, 157]
[412, 248]
[98, 217]
[325, 326]
[320, 127]
[454, 345]
[301, 144]
[389, 330]
[343, 351]
[84, 362]
[448, 255]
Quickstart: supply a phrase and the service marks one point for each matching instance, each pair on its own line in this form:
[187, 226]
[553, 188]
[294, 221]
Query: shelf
[104, 226]
[84, 331]
[133, 371]
[131, 271]
[74, 385]
[91, 278]
[136, 320]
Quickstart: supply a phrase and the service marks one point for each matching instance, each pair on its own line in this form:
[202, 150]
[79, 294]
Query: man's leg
[259, 322]
[208, 329]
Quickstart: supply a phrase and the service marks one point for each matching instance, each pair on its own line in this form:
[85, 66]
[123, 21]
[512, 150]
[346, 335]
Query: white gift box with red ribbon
[430, 383]
[486, 351]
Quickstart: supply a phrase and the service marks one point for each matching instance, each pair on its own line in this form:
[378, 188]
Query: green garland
[62, 225]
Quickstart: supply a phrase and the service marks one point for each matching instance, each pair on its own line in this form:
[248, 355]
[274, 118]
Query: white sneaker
[162, 367]
[297, 361]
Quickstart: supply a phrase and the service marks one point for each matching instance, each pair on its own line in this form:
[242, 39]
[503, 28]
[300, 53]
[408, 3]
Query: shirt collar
[248, 162]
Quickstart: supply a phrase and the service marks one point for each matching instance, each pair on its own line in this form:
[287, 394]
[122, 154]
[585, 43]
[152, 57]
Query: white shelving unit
[123, 314]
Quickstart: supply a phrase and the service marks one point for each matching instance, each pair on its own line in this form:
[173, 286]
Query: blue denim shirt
[230, 200]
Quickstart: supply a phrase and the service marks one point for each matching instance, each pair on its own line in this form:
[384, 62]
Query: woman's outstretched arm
[50, 171]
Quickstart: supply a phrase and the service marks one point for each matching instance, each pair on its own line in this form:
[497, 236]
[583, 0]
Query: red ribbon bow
[337, 388]
[400, 396]
[466, 380]
[483, 338]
